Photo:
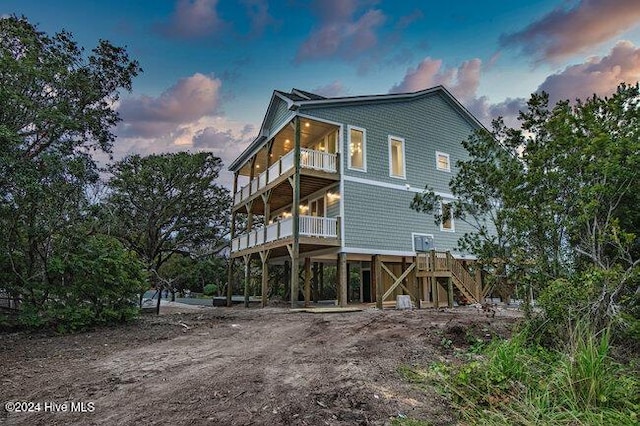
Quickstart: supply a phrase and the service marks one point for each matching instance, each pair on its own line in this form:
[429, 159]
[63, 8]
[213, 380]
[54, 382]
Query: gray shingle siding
[278, 116]
[333, 206]
[428, 124]
[379, 218]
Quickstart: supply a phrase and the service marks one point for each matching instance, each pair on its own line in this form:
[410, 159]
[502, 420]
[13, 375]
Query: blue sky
[210, 66]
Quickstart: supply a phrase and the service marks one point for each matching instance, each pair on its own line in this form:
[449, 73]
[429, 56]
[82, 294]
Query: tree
[55, 108]
[167, 204]
[555, 203]
[486, 191]
[585, 158]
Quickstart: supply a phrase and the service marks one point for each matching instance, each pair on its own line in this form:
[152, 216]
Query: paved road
[151, 294]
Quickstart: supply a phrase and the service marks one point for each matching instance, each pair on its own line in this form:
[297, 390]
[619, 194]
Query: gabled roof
[297, 99]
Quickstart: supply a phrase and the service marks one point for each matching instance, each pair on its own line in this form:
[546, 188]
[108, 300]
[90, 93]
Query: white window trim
[364, 148]
[418, 234]
[444, 154]
[453, 223]
[404, 162]
[324, 203]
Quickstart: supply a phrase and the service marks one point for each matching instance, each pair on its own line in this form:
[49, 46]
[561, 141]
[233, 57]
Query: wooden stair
[443, 264]
[462, 279]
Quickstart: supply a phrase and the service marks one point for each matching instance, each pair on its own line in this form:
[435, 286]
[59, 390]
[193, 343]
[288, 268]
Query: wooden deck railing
[309, 159]
[435, 261]
[310, 226]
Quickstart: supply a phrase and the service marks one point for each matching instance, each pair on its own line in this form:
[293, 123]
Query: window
[326, 143]
[317, 207]
[357, 149]
[422, 242]
[442, 161]
[447, 217]
[396, 157]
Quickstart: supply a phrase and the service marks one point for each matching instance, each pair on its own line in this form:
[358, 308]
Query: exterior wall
[377, 214]
[278, 115]
[380, 218]
[333, 206]
[428, 124]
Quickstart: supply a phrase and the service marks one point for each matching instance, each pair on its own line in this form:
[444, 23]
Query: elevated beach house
[331, 180]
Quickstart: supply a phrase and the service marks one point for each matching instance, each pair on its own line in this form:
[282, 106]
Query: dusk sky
[210, 66]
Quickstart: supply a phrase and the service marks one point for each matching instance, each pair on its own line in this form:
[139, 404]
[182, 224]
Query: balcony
[310, 226]
[309, 160]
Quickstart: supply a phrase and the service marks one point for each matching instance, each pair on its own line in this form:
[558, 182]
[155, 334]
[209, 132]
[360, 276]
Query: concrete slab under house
[329, 182]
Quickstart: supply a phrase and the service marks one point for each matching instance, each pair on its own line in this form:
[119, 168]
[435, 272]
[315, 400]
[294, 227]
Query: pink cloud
[341, 33]
[193, 19]
[596, 75]
[564, 32]
[188, 100]
[331, 90]
[463, 81]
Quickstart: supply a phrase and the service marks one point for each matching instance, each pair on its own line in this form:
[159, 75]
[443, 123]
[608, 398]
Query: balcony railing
[309, 159]
[310, 226]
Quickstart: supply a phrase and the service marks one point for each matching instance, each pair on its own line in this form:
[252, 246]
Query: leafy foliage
[514, 382]
[556, 202]
[169, 204]
[56, 106]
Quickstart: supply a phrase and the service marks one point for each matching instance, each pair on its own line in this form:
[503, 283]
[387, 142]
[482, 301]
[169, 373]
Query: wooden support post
[434, 281]
[450, 292]
[247, 270]
[233, 234]
[377, 278]
[342, 288]
[295, 210]
[403, 267]
[315, 283]
[264, 257]
[307, 281]
[478, 276]
[287, 280]
[361, 295]
[321, 280]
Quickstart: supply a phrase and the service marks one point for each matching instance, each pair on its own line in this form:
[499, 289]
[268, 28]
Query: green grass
[516, 383]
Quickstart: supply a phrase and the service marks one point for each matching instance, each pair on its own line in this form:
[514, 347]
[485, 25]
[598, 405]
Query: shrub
[516, 382]
[96, 282]
[210, 289]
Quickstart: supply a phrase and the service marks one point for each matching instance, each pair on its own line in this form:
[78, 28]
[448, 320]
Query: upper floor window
[442, 161]
[447, 224]
[396, 157]
[357, 149]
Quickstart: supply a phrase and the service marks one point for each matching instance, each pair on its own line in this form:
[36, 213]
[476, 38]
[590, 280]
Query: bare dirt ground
[236, 366]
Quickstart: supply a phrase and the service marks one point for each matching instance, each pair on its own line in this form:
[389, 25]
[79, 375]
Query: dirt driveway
[236, 366]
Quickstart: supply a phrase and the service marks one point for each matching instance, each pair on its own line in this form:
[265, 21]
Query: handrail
[310, 226]
[463, 276]
[309, 159]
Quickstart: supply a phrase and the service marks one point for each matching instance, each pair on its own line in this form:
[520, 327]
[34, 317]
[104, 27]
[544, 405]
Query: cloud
[341, 32]
[188, 100]
[332, 90]
[259, 16]
[407, 20]
[564, 32]
[193, 19]
[185, 117]
[600, 76]
[463, 81]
